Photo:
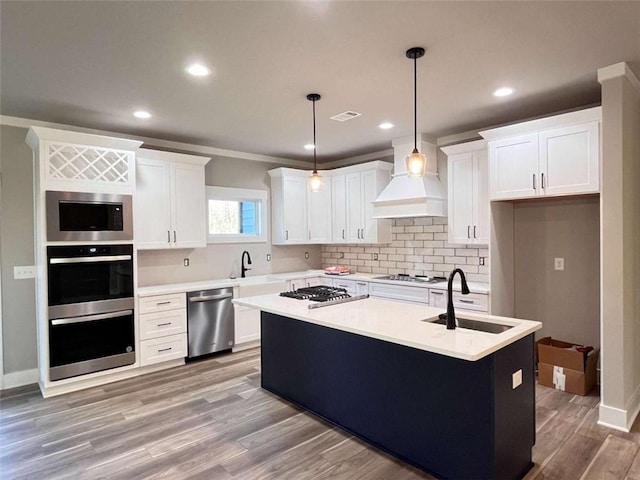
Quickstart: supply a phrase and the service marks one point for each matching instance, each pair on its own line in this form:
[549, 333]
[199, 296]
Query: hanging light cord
[415, 103]
[315, 169]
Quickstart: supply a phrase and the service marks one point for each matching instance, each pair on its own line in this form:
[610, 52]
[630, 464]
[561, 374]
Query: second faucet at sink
[243, 271]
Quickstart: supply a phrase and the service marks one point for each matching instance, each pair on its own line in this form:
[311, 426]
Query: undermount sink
[470, 324]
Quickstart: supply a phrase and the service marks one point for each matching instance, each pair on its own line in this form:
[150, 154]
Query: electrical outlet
[28, 271]
[341, 255]
[268, 257]
[186, 262]
[306, 254]
[482, 261]
[558, 263]
[516, 379]
[375, 256]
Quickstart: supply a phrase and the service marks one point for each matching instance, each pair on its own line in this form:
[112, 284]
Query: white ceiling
[91, 64]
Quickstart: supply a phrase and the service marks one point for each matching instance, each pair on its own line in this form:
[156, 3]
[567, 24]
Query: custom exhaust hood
[412, 197]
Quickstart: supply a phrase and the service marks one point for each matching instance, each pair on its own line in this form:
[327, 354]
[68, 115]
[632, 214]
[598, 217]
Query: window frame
[261, 197]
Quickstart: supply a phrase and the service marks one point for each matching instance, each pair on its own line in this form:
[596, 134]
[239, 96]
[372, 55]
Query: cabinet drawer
[158, 303]
[399, 292]
[159, 350]
[161, 324]
[473, 301]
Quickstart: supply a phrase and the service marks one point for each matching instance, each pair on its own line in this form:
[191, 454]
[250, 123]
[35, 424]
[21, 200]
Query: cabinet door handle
[534, 181]
[174, 237]
[343, 233]
[168, 236]
[542, 180]
[309, 234]
[163, 324]
[466, 301]
[474, 232]
[286, 234]
[437, 293]
[468, 231]
[164, 349]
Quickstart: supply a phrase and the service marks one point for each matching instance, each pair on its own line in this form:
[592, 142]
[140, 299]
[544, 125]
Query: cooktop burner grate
[318, 293]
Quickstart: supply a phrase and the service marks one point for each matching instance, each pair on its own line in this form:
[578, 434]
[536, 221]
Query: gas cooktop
[402, 277]
[318, 293]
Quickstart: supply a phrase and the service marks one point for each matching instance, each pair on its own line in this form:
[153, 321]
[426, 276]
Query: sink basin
[470, 324]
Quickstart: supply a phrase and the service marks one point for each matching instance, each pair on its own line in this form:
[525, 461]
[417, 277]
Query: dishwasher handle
[210, 297]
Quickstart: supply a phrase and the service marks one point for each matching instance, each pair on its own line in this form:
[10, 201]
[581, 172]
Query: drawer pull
[362, 283]
[437, 293]
[466, 301]
[164, 324]
[164, 303]
[164, 350]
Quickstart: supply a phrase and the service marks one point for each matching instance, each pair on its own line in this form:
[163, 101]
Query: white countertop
[399, 323]
[474, 287]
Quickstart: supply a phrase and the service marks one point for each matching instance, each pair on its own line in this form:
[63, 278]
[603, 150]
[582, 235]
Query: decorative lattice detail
[78, 162]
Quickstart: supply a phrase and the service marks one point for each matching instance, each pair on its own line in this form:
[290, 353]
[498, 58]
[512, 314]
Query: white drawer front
[473, 301]
[161, 324]
[399, 292]
[158, 303]
[159, 350]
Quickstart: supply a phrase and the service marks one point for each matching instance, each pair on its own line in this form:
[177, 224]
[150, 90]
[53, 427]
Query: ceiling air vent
[344, 116]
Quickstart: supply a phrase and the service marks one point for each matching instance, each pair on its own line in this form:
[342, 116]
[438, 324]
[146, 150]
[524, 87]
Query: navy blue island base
[452, 418]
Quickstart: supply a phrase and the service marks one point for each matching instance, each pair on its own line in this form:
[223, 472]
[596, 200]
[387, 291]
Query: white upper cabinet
[169, 201]
[338, 209]
[468, 201]
[339, 213]
[319, 222]
[553, 156]
[362, 188]
[81, 162]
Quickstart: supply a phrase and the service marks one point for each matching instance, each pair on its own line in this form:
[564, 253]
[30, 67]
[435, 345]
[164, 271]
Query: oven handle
[110, 258]
[211, 297]
[91, 318]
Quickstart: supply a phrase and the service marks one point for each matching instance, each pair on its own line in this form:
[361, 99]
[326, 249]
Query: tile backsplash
[419, 247]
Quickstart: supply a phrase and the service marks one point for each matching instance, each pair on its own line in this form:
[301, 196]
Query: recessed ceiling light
[309, 146]
[503, 92]
[198, 70]
[141, 114]
[385, 125]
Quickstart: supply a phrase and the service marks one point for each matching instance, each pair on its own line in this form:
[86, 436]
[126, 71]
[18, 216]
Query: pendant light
[416, 161]
[315, 180]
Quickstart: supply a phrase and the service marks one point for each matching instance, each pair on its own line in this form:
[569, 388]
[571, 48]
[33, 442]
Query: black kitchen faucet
[451, 316]
[243, 273]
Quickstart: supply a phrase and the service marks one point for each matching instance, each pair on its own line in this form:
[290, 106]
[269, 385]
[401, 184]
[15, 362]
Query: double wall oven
[91, 321]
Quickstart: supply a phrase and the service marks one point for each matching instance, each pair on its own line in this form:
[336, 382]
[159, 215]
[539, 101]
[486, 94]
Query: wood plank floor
[211, 420]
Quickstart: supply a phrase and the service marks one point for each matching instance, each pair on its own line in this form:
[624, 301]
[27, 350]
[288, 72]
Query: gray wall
[566, 302]
[223, 260]
[16, 248]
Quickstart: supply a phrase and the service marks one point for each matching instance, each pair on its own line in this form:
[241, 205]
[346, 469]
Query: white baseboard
[19, 379]
[618, 418]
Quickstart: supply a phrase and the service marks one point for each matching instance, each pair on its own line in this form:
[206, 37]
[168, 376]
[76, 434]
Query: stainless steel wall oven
[91, 317]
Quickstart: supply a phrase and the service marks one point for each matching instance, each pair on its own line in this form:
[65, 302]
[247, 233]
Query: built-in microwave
[81, 216]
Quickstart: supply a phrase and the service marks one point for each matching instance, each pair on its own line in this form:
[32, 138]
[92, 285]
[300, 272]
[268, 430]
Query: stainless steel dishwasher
[210, 320]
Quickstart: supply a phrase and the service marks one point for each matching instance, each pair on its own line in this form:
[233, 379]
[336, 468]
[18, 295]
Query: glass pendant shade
[416, 163]
[315, 181]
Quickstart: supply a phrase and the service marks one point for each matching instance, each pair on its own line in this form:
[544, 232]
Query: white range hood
[412, 197]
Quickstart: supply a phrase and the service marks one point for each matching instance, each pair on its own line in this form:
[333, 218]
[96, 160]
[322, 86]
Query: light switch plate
[558, 263]
[28, 271]
[516, 379]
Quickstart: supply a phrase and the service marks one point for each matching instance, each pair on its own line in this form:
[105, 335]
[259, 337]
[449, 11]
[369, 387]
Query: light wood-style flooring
[211, 420]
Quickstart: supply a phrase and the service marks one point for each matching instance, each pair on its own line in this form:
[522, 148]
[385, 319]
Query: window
[236, 215]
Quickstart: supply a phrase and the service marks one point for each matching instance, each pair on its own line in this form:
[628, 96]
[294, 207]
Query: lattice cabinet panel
[96, 165]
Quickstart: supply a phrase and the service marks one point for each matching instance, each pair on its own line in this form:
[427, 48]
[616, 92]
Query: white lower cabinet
[163, 328]
[247, 327]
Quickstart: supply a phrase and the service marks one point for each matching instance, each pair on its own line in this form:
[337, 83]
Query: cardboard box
[562, 367]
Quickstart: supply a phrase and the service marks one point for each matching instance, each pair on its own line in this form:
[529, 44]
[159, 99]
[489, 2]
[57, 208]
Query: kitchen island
[455, 403]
